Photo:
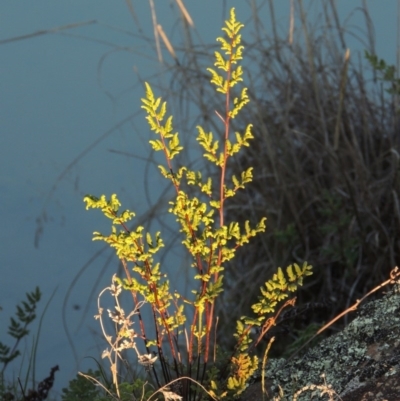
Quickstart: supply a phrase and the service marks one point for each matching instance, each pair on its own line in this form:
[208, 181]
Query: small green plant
[19, 329]
[387, 73]
[81, 389]
[180, 353]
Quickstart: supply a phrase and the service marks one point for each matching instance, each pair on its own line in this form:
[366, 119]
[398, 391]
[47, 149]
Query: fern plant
[387, 73]
[190, 370]
[19, 329]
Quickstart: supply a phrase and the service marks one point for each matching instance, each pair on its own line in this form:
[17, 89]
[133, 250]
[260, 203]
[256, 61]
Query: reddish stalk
[226, 121]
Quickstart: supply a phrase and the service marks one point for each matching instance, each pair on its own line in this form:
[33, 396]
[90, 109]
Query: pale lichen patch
[361, 357]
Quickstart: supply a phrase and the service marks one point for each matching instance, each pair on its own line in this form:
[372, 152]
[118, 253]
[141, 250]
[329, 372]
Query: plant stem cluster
[211, 242]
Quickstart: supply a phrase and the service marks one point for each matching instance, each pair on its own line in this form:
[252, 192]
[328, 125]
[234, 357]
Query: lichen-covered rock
[361, 363]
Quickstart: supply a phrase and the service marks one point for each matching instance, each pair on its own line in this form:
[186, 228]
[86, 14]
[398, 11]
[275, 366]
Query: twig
[394, 275]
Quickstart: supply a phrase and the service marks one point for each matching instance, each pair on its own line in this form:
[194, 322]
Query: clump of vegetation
[19, 329]
[81, 389]
[386, 73]
[178, 345]
[325, 161]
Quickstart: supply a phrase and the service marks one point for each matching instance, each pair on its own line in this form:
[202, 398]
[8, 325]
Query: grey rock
[361, 363]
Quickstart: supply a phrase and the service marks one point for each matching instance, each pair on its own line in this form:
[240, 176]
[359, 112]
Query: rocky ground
[361, 363]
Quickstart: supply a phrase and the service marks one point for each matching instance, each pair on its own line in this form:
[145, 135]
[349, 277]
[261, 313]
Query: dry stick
[46, 31]
[156, 34]
[342, 90]
[22, 389]
[310, 56]
[167, 43]
[185, 13]
[337, 23]
[160, 390]
[394, 275]
[264, 363]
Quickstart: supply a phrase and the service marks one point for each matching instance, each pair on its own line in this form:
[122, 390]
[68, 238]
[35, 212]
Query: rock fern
[211, 242]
